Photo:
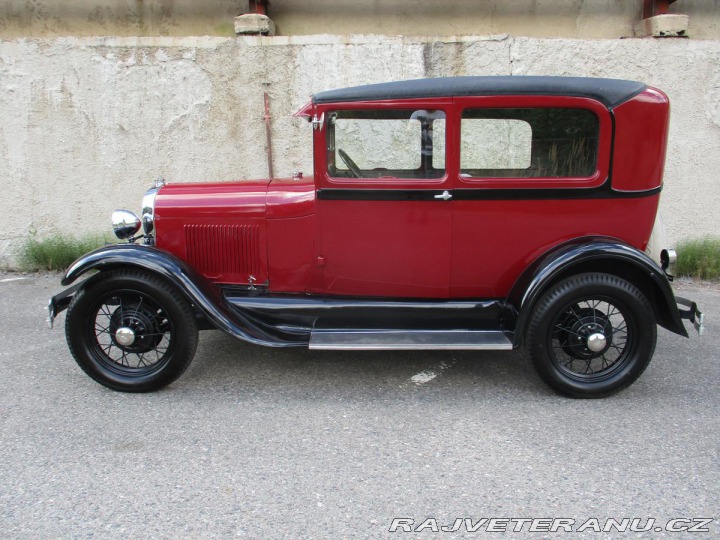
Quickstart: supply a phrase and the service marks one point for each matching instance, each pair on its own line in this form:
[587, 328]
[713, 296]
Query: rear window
[528, 143]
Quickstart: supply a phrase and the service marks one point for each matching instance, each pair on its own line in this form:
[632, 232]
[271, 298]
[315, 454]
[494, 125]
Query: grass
[699, 258]
[56, 252]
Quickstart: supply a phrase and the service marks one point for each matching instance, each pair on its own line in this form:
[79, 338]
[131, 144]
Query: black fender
[206, 297]
[593, 254]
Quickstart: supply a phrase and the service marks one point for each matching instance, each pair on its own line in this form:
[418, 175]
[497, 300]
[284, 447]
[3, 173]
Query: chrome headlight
[125, 224]
[148, 209]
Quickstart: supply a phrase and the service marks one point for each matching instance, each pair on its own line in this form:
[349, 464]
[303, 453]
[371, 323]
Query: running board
[377, 340]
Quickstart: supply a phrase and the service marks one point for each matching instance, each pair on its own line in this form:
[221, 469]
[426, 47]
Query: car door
[383, 202]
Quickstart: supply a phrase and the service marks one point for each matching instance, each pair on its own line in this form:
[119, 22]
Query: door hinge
[318, 122]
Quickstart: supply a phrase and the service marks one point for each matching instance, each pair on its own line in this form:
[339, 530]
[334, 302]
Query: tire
[591, 335]
[131, 331]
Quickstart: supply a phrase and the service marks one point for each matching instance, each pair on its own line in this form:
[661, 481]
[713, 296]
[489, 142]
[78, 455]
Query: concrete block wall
[88, 123]
[578, 19]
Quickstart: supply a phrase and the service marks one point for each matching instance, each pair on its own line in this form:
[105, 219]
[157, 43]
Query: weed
[699, 258]
[55, 252]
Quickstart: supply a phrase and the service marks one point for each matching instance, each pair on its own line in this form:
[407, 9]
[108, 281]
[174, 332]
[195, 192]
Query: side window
[528, 143]
[381, 143]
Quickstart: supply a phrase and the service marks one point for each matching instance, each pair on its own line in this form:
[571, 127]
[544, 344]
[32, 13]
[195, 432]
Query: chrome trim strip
[379, 340]
[148, 210]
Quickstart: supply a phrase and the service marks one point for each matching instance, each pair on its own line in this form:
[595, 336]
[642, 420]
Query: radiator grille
[223, 249]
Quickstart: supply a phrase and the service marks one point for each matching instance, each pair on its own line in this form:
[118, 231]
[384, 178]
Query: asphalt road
[261, 443]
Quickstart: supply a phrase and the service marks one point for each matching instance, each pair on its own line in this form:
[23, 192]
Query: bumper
[693, 314]
[60, 302]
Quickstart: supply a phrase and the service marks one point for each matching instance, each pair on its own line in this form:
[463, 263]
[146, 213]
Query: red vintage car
[487, 213]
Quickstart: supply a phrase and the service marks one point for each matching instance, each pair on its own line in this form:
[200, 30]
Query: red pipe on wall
[259, 6]
[268, 135]
[655, 7]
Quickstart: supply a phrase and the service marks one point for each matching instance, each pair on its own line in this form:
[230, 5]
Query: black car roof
[610, 92]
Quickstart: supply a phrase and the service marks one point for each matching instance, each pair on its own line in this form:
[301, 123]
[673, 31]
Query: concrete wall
[582, 19]
[88, 123]
[46, 18]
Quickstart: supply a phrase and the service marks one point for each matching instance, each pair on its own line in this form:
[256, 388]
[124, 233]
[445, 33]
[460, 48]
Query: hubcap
[125, 336]
[590, 338]
[596, 342]
[132, 332]
[583, 326]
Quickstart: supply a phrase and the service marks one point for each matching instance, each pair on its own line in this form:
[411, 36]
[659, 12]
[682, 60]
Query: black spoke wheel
[591, 335]
[131, 331]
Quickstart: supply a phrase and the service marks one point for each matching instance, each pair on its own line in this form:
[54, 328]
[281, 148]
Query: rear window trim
[605, 139]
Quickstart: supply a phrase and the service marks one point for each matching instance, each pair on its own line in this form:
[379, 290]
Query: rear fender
[593, 254]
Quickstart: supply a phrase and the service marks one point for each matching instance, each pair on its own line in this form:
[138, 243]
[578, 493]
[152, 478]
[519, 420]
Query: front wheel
[591, 335]
[131, 331]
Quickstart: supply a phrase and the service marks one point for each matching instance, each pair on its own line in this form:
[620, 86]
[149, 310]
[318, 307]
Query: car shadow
[227, 364]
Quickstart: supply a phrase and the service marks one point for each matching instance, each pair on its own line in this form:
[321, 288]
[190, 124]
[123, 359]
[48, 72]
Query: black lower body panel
[346, 322]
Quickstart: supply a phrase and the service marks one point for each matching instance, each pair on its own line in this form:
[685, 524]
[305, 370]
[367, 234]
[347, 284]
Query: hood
[244, 198]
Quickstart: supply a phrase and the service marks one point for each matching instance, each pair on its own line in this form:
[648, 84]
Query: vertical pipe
[268, 135]
[655, 7]
[260, 6]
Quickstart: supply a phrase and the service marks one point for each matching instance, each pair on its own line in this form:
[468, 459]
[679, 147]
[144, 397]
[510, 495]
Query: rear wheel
[591, 335]
[131, 331]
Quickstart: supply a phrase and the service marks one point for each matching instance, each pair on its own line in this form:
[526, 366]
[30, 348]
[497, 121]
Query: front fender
[594, 254]
[137, 255]
[197, 289]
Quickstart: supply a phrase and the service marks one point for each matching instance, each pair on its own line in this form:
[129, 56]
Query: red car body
[484, 213]
[284, 235]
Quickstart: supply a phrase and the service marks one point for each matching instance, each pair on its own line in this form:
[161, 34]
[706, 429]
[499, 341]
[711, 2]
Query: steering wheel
[350, 163]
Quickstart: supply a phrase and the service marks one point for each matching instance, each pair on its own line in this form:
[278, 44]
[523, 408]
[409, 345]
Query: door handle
[445, 195]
